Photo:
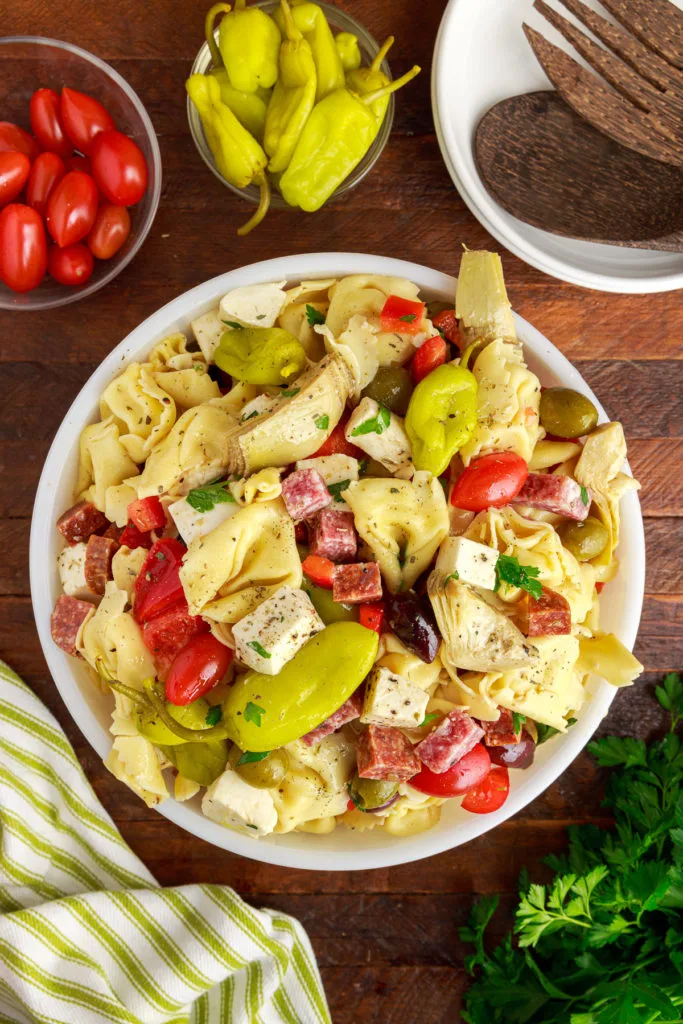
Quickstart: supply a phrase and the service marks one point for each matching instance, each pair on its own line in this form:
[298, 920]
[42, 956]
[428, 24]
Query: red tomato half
[119, 168]
[336, 443]
[14, 172]
[402, 316]
[200, 665]
[319, 570]
[47, 171]
[71, 265]
[471, 770]
[372, 616]
[134, 538]
[490, 794]
[14, 139]
[109, 232]
[489, 482]
[147, 514]
[23, 248]
[158, 584]
[46, 123]
[167, 633]
[83, 118]
[72, 208]
[428, 357]
[447, 322]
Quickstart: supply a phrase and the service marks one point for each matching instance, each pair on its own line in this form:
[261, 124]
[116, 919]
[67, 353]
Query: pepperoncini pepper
[260, 355]
[239, 157]
[348, 50]
[293, 96]
[248, 107]
[265, 712]
[366, 80]
[312, 23]
[248, 45]
[336, 137]
[441, 416]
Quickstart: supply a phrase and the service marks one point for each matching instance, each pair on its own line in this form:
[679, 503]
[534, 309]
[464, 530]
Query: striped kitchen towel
[87, 936]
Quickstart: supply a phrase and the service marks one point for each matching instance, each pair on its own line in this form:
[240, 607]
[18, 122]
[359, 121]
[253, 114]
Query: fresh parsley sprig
[375, 425]
[314, 316]
[509, 570]
[204, 499]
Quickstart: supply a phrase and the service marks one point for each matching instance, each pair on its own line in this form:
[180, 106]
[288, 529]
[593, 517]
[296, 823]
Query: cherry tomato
[200, 665]
[372, 616]
[490, 794]
[83, 118]
[336, 443]
[14, 171]
[109, 232]
[72, 208]
[119, 168]
[23, 248]
[489, 482]
[402, 316]
[14, 139]
[76, 162]
[46, 172]
[428, 357]
[71, 265]
[147, 514]
[319, 570]
[447, 323]
[471, 770]
[158, 585]
[46, 123]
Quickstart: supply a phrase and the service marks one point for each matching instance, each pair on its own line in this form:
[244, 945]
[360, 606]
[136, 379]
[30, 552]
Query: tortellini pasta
[398, 659]
[314, 787]
[111, 641]
[171, 353]
[134, 761]
[188, 386]
[125, 567]
[364, 295]
[357, 346]
[104, 462]
[262, 486]
[143, 412]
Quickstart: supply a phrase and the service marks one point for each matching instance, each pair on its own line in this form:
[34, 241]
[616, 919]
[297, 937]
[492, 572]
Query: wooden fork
[638, 100]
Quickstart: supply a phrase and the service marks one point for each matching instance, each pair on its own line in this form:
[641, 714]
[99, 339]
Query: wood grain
[387, 940]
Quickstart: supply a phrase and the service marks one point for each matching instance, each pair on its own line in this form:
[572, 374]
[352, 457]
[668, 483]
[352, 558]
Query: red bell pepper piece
[158, 585]
[372, 616]
[134, 538]
[147, 514]
[428, 357]
[402, 316]
[336, 443]
[447, 322]
[319, 570]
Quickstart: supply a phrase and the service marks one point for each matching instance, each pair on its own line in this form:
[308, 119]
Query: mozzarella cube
[334, 469]
[71, 566]
[207, 330]
[256, 407]
[234, 803]
[392, 700]
[387, 442]
[270, 636]
[255, 305]
[192, 524]
[468, 561]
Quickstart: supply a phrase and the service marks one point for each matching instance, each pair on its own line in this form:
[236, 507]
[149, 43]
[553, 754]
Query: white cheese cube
[270, 636]
[192, 524]
[468, 561]
[71, 566]
[392, 700]
[234, 803]
[256, 407]
[207, 330]
[255, 305]
[334, 469]
[387, 442]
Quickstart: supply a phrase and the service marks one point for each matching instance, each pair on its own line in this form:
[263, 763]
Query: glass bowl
[31, 62]
[339, 22]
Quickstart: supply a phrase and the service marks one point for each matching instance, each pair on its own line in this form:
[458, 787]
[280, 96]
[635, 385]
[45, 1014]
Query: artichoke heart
[481, 300]
[476, 636]
[304, 416]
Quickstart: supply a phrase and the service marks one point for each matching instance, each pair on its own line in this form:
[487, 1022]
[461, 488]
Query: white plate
[341, 850]
[482, 56]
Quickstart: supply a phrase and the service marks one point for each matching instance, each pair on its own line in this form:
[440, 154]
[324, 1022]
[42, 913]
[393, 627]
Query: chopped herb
[584, 496]
[261, 316]
[250, 756]
[409, 318]
[160, 556]
[393, 490]
[314, 316]
[199, 368]
[233, 323]
[253, 713]
[517, 722]
[429, 718]
[375, 425]
[291, 392]
[204, 499]
[546, 732]
[250, 416]
[363, 467]
[247, 825]
[509, 570]
[336, 489]
[452, 576]
[440, 330]
[322, 422]
[214, 715]
[261, 651]
[402, 553]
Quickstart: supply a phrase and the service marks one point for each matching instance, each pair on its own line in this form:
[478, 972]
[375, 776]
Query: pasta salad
[336, 555]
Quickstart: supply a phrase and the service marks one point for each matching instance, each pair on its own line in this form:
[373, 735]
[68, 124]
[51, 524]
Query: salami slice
[98, 556]
[80, 521]
[349, 710]
[549, 615]
[304, 493]
[558, 494]
[332, 535]
[357, 583]
[385, 753]
[502, 732]
[67, 618]
[452, 738]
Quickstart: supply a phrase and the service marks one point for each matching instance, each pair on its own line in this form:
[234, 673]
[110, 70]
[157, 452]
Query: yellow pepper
[366, 80]
[311, 21]
[441, 416]
[348, 50]
[260, 355]
[248, 45]
[293, 96]
[248, 107]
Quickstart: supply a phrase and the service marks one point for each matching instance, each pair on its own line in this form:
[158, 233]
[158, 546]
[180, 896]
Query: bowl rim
[496, 220]
[75, 295]
[42, 574]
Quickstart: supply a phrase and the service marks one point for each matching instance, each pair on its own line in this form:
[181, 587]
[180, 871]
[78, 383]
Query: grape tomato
[14, 171]
[469, 771]
[119, 168]
[490, 794]
[14, 139]
[199, 666]
[109, 232]
[47, 171]
[490, 481]
[72, 265]
[46, 122]
[23, 247]
[72, 208]
[83, 118]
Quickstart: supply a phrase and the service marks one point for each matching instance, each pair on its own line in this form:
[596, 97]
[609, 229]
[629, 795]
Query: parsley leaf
[254, 713]
[251, 756]
[363, 467]
[337, 489]
[408, 318]
[214, 715]
[429, 718]
[375, 425]
[204, 499]
[546, 732]
[249, 416]
[452, 576]
[517, 722]
[260, 650]
[235, 326]
[322, 422]
[314, 316]
[509, 570]
[584, 496]
[290, 392]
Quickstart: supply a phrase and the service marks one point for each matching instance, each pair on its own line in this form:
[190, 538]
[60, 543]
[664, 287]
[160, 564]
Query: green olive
[327, 608]
[391, 386]
[266, 773]
[585, 540]
[567, 413]
[367, 794]
[200, 762]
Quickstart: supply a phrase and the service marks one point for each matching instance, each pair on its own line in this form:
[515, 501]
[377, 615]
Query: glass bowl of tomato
[39, 63]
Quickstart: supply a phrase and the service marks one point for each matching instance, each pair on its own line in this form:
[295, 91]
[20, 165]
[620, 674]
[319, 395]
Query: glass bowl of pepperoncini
[359, 56]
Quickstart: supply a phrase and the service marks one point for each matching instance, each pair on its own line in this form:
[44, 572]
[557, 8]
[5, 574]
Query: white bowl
[342, 850]
[482, 56]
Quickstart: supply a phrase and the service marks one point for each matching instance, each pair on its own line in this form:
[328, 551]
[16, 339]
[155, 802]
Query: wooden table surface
[387, 940]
